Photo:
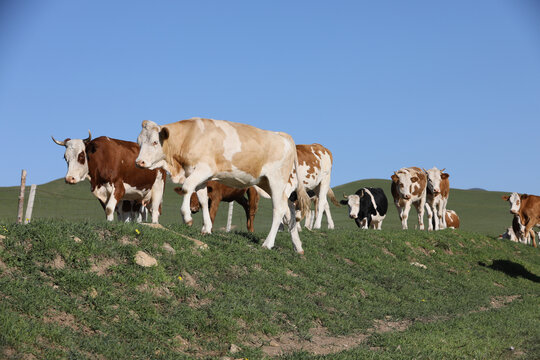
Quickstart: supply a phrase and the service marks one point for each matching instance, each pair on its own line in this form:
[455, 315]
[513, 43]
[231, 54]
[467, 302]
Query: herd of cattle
[216, 160]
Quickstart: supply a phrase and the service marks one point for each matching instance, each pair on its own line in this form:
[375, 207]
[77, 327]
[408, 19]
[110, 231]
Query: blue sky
[382, 84]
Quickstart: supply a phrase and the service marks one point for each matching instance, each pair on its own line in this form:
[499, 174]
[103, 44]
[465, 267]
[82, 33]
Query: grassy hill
[479, 211]
[73, 290]
[70, 286]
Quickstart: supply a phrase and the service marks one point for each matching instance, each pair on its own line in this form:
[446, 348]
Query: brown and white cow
[451, 219]
[218, 192]
[527, 208]
[409, 187]
[239, 155]
[110, 166]
[438, 189]
[314, 171]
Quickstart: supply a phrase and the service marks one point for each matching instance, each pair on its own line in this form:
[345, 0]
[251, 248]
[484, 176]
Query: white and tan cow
[314, 172]
[409, 187]
[438, 189]
[527, 210]
[110, 165]
[197, 150]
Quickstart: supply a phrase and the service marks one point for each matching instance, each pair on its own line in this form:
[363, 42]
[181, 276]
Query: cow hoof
[189, 223]
[266, 247]
[300, 252]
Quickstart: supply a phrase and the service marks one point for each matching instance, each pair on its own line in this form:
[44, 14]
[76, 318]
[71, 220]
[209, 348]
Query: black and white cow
[367, 207]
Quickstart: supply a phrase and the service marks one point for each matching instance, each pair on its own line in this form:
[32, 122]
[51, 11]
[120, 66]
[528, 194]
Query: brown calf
[527, 207]
[218, 192]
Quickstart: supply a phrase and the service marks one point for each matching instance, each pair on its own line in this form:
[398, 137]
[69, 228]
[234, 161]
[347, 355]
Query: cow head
[150, 140]
[515, 202]
[353, 201]
[75, 157]
[434, 177]
[404, 183]
[194, 204]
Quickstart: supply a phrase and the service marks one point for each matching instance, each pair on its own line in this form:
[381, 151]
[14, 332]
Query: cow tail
[304, 202]
[333, 197]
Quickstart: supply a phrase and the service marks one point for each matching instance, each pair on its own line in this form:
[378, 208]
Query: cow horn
[443, 169]
[87, 140]
[345, 196]
[61, 143]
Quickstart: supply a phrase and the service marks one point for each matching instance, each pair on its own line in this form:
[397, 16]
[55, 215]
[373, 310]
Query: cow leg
[443, 224]
[328, 216]
[419, 205]
[528, 233]
[196, 181]
[249, 221]
[157, 197]
[116, 194]
[291, 220]
[430, 217]
[208, 221]
[437, 209]
[404, 214]
[253, 204]
[322, 201]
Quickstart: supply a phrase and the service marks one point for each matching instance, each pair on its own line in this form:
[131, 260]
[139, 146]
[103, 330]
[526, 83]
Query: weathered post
[229, 217]
[30, 205]
[21, 198]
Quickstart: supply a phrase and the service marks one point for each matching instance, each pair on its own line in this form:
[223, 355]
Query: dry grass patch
[101, 266]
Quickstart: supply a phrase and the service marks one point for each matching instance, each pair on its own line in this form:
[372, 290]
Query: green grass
[476, 298]
[479, 211]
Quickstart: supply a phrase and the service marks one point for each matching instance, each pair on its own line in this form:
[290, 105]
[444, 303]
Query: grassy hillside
[73, 290]
[479, 211]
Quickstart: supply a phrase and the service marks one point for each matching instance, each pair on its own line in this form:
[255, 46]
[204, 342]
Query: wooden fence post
[30, 205]
[21, 198]
[229, 217]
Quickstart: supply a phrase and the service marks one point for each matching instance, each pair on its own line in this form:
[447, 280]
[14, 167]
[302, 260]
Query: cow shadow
[251, 237]
[512, 269]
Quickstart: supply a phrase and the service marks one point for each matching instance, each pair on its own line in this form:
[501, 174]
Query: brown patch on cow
[81, 159]
[421, 183]
[100, 267]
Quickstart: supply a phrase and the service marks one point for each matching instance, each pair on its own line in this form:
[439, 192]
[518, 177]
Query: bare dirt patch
[66, 320]
[57, 263]
[500, 301]
[126, 240]
[387, 252]
[101, 266]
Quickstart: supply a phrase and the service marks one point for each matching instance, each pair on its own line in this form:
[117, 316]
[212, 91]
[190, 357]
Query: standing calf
[438, 189]
[218, 192]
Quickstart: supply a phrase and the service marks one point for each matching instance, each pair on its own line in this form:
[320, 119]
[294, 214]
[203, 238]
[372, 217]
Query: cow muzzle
[70, 180]
[353, 216]
[141, 163]
[407, 197]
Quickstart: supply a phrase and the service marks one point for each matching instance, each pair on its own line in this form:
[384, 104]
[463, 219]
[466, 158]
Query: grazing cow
[197, 150]
[110, 165]
[218, 192]
[527, 209]
[314, 170]
[368, 207]
[409, 187]
[438, 188]
[452, 219]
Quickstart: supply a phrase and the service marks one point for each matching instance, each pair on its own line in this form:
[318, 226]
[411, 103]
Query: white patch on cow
[376, 221]
[372, 199]
[132, 193]
[235, 178]
[76, 171]
[354, 206]
[101, 193]
[434, 180]
[199, 122]
[515, 203]
[151, 153]
[231, 140]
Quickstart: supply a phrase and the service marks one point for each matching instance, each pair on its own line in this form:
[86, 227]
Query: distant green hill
[480, 211]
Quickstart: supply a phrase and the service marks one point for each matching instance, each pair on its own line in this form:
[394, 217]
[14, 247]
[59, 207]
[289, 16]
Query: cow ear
[163, 134]
[394, 178]
[445, 176]
[344, 202]
[524, 196]
[505, 197]
[414, 179]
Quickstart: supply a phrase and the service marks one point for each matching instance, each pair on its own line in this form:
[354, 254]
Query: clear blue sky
[382, 84]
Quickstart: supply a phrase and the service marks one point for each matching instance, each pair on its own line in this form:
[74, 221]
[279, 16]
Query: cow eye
[154, 143]
[401, 185]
